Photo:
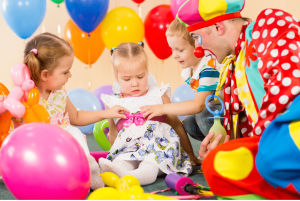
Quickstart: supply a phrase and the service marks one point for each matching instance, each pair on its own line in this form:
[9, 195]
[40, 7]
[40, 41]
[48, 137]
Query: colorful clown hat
[196, 14]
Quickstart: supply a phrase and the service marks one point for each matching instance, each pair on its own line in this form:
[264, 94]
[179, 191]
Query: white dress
[153, 141]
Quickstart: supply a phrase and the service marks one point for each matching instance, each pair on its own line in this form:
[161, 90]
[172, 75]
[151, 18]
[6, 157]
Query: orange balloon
[41, 113]
[3, 89]
[29, 115]
[33, 97]
[86, 48]
[33, 111]
[5, 118]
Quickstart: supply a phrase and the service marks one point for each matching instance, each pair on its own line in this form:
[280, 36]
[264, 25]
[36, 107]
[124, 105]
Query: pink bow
[136, 118]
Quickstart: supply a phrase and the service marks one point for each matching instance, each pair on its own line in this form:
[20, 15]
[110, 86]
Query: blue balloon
[183, 93]
[23, 16]
[87, 14]
[83, 99]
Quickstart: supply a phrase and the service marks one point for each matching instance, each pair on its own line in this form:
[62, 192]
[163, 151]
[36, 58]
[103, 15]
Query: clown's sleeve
[277, 44]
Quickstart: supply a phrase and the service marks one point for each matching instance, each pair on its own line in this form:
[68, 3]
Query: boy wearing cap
[261, 80]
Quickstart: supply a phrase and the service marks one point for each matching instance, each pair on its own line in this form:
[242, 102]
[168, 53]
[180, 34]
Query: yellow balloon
[134, 193]
[121, 185]
[109, 178]
[131, 180]
[148, 196]
[121, 25]
[106, 193]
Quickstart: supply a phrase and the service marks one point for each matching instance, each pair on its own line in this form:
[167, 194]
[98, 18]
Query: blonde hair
[50, 48]
[179, 30]
[126, 51]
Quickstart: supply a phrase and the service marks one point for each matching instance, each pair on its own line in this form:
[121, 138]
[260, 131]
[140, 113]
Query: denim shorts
[198, 125]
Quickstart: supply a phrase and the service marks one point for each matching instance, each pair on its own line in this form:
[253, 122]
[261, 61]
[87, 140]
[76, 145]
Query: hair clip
[141, 43]
[34, 51]
[112, 50]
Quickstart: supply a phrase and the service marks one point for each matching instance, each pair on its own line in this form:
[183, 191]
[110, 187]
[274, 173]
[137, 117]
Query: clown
[260, 78]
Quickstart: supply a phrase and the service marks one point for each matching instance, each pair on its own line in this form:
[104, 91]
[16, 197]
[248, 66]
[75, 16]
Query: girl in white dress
[143, 148]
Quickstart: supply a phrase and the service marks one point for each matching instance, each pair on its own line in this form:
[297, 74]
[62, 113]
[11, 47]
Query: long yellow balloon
[125, 188]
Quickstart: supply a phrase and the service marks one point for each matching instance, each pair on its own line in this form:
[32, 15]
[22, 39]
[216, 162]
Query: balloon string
[140, 10]
[89, 51]
[58, 27]
[163, 73]
[90, 80]
[161, 191]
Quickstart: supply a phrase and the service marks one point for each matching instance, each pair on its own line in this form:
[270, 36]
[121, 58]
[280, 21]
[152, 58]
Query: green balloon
[58, 1]
[100, 136]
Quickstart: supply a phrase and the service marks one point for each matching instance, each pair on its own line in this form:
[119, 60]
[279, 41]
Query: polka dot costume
[263, 80]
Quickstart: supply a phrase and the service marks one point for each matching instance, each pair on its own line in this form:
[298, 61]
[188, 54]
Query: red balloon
[138, 1]
[156, 23]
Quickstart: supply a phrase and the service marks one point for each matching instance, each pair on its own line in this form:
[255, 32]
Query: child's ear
[44, 75]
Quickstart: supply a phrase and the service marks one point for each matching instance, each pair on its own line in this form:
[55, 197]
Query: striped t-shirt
[206, 76]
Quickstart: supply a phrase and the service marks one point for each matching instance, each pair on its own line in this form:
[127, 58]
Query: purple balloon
[43, 162]
[105, 89]
[175, 5]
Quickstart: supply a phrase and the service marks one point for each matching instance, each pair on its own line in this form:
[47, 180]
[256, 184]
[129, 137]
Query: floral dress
[150, 140]
[56, 105]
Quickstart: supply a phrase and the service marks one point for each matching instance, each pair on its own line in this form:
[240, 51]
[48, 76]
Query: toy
[125, 188]
[21, 78]
[5, 118]
[99, 134]
[183, 185]
[217, 128]
[34, 112]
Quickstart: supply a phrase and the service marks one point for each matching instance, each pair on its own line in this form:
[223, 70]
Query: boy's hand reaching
[116, 112]
[152, 111]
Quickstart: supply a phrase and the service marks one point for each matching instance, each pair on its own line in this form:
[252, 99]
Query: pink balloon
[43, 162]
[175, 5]
[21, 77]
[19, 73]
[99, 154]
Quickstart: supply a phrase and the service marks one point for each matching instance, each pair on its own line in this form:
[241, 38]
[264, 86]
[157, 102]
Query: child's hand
[116, 112]
[152, 111]
[195, 160]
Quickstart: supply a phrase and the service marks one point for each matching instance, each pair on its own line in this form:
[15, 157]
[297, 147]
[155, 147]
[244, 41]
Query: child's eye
[180, 50]
[66, 72]
[140, 77]
[126, 79]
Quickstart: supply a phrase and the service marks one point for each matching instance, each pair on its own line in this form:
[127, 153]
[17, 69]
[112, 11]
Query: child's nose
[175, 55]
[135, 82]
[70, 75]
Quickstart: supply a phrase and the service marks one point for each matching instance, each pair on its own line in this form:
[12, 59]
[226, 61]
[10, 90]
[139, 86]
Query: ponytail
[43, 52]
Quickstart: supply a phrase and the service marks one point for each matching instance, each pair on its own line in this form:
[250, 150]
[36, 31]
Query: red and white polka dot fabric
[276, 41]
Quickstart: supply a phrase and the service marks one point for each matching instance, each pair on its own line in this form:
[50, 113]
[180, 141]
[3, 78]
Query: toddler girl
[143, 148]
[201, 74]
[49, 59]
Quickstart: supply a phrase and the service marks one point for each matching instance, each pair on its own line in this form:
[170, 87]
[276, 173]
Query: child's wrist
[103, 114]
